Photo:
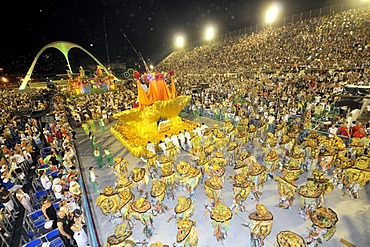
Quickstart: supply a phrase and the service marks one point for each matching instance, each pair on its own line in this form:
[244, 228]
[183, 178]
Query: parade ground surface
[353, 214]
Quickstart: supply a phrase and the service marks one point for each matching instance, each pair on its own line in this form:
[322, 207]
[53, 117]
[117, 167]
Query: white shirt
[182, 137]
[18, 158]
[150, 147]
[271, 119]
[332, 131]
[175, 140]
[92, 176]
[167, 140]
[187, 136]
[163, 146]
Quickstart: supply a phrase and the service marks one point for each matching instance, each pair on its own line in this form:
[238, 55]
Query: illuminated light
[151, 66]
[272, 13]
[210, 33]
[180, 42]
[4, 79]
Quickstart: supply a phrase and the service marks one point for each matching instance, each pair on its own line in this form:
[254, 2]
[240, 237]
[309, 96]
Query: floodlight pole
[106, 40]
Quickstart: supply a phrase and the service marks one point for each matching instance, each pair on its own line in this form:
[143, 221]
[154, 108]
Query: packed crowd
[39, 158]
[337, 41]
[301, 97]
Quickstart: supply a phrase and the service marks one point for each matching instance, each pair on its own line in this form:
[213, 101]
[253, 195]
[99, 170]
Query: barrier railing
[92, 231]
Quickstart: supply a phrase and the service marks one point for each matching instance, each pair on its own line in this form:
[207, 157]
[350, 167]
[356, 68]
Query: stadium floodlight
[272, 13]
[210, 33]
[180, 42]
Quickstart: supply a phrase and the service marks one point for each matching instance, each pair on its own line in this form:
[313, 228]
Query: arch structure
[64, 47]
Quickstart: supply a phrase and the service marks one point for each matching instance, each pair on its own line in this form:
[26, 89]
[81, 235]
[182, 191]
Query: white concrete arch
[64, 47]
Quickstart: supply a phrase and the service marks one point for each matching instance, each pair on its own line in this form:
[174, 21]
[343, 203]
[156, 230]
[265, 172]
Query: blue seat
[54, 174]
[35, 215]
[52, 234]
[58, 242]
[45, 152]
[39, 223]
[56, 206]
[53, 237]
[40, 194]
[34, 243]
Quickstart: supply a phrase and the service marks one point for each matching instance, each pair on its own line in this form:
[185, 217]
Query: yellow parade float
[156, 116]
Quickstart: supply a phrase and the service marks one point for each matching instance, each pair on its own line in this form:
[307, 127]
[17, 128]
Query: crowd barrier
[91, 226]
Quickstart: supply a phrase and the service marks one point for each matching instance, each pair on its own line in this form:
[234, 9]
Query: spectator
[24, 199]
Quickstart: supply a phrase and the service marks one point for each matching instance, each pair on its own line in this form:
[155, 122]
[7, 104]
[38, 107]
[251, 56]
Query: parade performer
[357, 176]
[311, 198]
[152, 163]
[242, 138]
[220, 216]
[272, 163]
[183, 210]
[252, 130]
[121, 237]
[141, 212]
[192, 181]
[213, 187]
[291, 171]
[120, 166]
[323, 226]
[158, 193]
[241, 187]
[242, 163]
[109, 156]
[260, 225]
[218, 160]
[186, 234]
[220, 141]
[168, 176]
[195, 140]
[111, 202]
[91, 124]
[93, 141]
[341, 163]
[92, 179]
[172, 151]
[175, 141]
[124, 184]
[233, 151]
[85, 127]
[322, 182]
[98, 157]
[287, 192]
[203, 164]
[258, 176]
[182, 169]
[102, 124]
[289, 238]
[140, 179]
[150, 147]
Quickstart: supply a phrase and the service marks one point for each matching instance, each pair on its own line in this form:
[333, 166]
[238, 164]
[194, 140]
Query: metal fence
[325, 11]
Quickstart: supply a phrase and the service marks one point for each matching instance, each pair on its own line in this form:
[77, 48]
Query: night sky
[150, 25]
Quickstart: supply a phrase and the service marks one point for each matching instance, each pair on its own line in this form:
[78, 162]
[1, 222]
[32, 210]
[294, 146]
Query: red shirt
[359, 134]
[343, 131]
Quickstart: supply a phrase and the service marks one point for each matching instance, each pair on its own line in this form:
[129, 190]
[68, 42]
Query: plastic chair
[54, 174]
[53, 237]
[34, 243]
[56, 206]
[36, 215]
[41, 194]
